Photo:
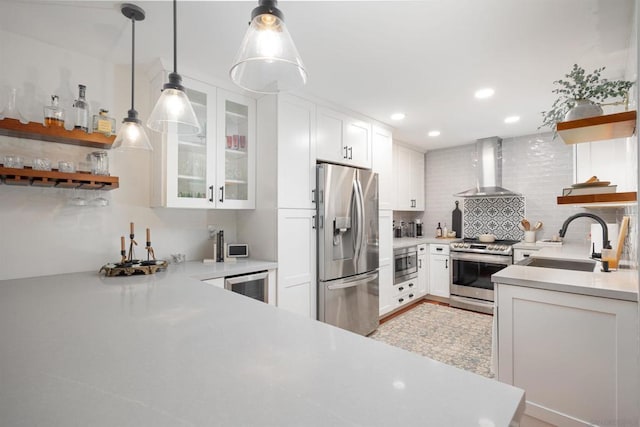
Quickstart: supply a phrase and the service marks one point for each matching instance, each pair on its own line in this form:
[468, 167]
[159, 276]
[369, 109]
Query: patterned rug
[456, 337]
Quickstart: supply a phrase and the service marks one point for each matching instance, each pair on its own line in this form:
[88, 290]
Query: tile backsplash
[495, 215]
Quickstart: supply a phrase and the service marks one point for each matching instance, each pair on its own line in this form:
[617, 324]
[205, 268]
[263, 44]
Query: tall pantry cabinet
[282, 227]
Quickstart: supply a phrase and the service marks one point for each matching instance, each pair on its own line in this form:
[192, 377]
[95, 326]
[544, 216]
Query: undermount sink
[562, 264]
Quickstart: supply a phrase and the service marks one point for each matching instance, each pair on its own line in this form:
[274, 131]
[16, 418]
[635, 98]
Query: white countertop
[620, 284]
[167, 349]
[205, 271]
[404, 242]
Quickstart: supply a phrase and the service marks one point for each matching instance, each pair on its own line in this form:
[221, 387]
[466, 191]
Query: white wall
[41, 233]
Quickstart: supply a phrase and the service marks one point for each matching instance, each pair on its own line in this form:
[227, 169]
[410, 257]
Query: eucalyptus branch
[579, 85]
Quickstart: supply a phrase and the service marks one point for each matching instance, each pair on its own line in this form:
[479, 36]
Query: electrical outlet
[213, 230]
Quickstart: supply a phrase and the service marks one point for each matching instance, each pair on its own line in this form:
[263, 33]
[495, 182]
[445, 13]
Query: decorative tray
[130, 268]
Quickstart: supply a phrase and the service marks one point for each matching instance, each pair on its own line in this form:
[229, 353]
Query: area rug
[456, 337]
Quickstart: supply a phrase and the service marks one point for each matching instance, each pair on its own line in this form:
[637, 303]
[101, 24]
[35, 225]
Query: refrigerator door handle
[351, 282]
[360, 217]
[357, 225]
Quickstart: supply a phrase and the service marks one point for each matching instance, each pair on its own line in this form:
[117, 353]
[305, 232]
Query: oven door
[405, 264]
[471, 274]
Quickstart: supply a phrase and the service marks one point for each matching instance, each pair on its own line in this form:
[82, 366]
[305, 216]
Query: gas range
[498, 247]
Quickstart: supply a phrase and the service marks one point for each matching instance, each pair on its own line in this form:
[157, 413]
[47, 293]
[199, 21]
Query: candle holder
[128, 265]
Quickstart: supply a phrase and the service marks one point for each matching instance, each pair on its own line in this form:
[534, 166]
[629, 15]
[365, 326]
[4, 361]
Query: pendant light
[132, 134]
[268, 61]
[173, 111]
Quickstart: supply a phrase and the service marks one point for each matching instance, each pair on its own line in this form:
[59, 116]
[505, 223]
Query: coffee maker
[418, 228]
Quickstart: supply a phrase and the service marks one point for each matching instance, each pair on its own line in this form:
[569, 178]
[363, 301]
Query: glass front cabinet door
[215, 168]
[236, 151]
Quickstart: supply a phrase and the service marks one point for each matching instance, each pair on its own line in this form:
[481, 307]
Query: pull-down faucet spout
[605, 232]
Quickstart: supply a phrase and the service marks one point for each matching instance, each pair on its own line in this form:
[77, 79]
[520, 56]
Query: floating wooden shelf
[37, 178]
[617, 198]
[610, 126]
[33, 130]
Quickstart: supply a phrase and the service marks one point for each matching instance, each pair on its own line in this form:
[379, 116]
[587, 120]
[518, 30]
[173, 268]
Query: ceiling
[423, 58]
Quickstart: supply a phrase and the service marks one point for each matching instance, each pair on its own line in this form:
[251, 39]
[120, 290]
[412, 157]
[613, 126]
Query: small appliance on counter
[418, 228]
[237, 250]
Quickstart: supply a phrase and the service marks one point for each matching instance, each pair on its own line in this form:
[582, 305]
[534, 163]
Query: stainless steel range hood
[488, 170]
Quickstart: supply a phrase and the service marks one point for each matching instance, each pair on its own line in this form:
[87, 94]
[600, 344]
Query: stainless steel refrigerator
[348, 247]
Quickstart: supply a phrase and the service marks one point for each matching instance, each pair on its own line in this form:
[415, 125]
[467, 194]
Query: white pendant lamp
[268, 61]
[173, 111]
[132, 134]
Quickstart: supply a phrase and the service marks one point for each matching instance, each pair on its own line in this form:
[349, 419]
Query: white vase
[583, 108]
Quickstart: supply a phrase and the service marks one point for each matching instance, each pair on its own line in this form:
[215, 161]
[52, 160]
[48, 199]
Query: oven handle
[487, 258]
[246, 278]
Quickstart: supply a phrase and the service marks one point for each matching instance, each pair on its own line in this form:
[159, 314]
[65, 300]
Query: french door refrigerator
[347, 224]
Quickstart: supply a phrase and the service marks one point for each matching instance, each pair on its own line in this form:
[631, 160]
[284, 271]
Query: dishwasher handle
[246, 278]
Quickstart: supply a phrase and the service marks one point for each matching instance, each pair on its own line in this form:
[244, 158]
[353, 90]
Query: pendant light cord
[175, 37]
[133, 57]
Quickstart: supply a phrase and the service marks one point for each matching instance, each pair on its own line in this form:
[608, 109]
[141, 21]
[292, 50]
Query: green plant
[580, 85]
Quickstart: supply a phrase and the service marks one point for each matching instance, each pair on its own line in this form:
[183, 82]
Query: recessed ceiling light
[434, 133]
[512, 119]
[397, 116]
[484, 93]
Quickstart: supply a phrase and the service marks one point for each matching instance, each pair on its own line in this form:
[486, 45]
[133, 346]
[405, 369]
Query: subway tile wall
[535, 166]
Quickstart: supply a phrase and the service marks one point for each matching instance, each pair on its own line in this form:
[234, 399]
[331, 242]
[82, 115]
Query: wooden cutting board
[624, 226]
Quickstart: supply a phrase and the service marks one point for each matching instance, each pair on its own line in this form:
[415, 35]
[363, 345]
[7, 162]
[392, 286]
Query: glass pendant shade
[268, 61]
[173, 112]
[132, 135]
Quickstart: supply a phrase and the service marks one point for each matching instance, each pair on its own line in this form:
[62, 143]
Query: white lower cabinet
[423, 270]
[404, 293]
[439, 270]
[296, 284]
[574, 355]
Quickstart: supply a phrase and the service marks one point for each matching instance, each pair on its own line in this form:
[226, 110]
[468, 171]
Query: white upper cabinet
[296, 152]
[408, 172]
[382, 147]
[343, 139]
[236, 166]
[214, 169]
[184, 165]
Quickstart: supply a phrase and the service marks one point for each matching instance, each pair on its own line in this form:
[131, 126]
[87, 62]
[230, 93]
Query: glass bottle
[53, 114]
[439, 231]
[81, 110]
[11, 111]
[104, 124]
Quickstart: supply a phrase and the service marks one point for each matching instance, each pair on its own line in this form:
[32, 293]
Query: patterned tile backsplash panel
[495, 215]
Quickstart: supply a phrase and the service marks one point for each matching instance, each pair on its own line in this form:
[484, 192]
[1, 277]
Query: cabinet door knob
[313, 222]
[222, 193]
[313, 196]
[446, 263]
[350, 153]
[410, 295]
[346, 151]
[401, 300]
[211, 189]
[401, 289]
[419, 263]
[411, 285]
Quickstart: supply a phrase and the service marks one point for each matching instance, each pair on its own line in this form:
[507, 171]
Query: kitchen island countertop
[167, 349]
[620, 284]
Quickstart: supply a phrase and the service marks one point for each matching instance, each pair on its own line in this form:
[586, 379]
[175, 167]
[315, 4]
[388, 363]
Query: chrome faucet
[605, 232]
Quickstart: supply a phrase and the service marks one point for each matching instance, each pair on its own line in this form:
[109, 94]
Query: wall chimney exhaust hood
[488, 170]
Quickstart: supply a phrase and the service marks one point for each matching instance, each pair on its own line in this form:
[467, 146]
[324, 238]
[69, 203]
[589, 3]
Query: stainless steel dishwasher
[254, 285]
